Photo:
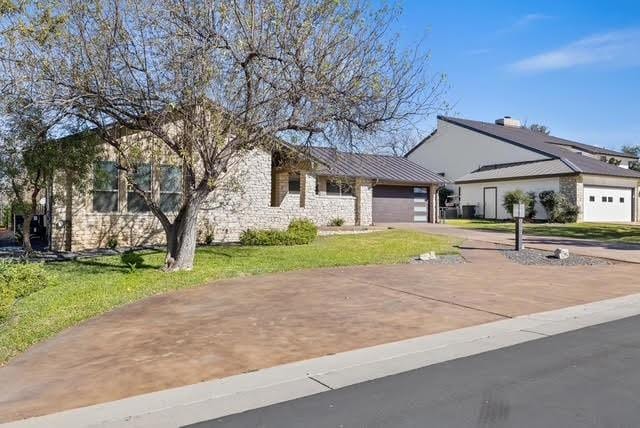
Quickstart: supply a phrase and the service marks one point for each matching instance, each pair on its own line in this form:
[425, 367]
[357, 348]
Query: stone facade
[244, 199]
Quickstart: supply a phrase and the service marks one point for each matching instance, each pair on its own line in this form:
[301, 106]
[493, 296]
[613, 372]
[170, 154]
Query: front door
[490, 203]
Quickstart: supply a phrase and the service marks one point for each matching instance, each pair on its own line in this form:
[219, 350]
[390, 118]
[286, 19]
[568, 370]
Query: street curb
[213, 399]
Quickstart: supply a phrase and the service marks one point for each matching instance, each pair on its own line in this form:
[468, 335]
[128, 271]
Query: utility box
[519, 211]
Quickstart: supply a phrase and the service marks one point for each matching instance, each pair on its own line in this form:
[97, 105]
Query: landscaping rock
[561, 253]
[535, 257]
[431, 255]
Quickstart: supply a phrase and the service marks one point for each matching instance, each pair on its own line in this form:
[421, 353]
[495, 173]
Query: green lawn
[598, 231]
[88, 288]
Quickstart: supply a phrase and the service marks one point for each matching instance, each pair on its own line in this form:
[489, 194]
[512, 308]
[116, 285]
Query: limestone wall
[242, 200]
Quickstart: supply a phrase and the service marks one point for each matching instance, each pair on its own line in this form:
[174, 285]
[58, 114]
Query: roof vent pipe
[508, 121]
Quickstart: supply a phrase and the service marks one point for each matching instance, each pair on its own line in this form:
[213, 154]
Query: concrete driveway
[244, 324]
[629, 253]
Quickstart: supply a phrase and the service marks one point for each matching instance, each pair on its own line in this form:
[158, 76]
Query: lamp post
[518, 215]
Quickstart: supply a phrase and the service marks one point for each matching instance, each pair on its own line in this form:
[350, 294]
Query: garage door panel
[607, 204]
[399, 204]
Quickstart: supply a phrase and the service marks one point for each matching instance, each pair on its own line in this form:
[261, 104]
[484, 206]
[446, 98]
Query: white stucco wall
[472, 193]
[457, 151]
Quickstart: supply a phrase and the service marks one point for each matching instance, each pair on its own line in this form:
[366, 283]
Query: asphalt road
[585, 378]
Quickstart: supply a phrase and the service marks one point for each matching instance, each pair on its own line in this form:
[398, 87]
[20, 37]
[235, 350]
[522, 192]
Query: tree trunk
[26, 232]
[181, 239]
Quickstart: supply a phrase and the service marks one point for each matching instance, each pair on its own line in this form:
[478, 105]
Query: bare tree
[208, 81]
[539, 128]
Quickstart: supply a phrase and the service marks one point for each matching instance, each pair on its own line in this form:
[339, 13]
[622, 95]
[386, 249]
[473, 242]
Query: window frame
[114, 190]
[341, 186]
[169, 192]
[296, 178]
[131, 191]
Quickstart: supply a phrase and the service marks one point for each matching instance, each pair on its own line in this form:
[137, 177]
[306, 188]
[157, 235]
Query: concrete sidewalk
[628, 253]
[246, 324]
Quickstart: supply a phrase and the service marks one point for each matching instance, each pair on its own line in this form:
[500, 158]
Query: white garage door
[607, 204]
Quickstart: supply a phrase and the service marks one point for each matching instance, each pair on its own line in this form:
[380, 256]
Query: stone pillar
[364, 199]
[303, 189]
[280, 187]
[434, 207]
[571, 187]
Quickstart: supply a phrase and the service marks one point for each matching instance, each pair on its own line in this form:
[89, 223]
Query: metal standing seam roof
[551, 167]
[394, 169]
[547, 145]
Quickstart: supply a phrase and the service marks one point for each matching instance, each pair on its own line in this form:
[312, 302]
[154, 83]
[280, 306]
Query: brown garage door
[399, 204]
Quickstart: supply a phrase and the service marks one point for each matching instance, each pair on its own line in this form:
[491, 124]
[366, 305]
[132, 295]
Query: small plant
[112, 243]
[299, 232]
[208, 238]
[7, 299]
[132, 260]
[519, 197]
[336, 222]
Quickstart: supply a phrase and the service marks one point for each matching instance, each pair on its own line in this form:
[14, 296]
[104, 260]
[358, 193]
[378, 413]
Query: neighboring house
[485, 160]
[260, 191]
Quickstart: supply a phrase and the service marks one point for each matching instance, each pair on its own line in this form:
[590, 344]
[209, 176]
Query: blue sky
[573, 66]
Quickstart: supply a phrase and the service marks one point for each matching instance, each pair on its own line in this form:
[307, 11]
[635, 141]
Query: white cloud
[616, 48]
[524, 22]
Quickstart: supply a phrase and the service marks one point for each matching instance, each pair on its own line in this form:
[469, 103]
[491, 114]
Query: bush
[302, 231]
[18, 280]
[112, 243]
[299, 232]
[23, 278]
[7, 299]
[559, 209]
[336, 222]
[519, 197]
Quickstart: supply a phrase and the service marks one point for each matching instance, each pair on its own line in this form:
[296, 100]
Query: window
[337, 188]
[604, 199]
[592, 198]
[105, 187]
[294, 183]
[170, 187]
[142, 177]
[610, 198]
[622, 200]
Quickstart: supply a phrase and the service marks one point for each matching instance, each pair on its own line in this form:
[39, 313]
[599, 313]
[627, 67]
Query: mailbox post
[518, 215]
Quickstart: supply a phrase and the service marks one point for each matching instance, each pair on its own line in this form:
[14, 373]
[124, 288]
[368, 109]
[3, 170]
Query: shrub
[7, 299]
[18, 280]
[559, 209]
[299, 232]
[112, 243]
[302, 231]
[336, 222]
[23, 278]
[519, 197]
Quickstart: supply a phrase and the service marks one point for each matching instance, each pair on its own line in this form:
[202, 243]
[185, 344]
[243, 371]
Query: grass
[607, 232]
[88, 288]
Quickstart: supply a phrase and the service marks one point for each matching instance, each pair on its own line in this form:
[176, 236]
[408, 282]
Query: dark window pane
[105, 176]
[592, 198]
[142, 176]
[170, 179]
[610, 198]
[604, 199]
[170, 202]
[346, 189]
[135, 203]
[333, 188]
[622, 200]
[294, 183]
[105, 202]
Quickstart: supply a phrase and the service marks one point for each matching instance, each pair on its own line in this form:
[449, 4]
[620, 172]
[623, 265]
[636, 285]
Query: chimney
[508, 121]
